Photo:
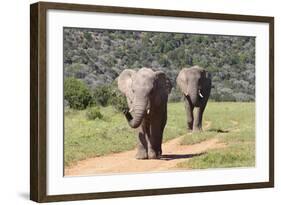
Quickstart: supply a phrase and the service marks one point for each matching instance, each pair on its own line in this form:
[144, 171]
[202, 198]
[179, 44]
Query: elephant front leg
[159, 147]
[197, 125]
[157, 125]
[189, 114]
[141, 147]
[151, 152]
[145, 146]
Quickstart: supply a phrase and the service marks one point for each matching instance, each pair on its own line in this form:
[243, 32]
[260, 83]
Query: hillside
[98, 56]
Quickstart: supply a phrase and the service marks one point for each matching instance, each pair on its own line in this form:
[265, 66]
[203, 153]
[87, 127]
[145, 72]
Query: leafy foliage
[98, 56]
[118, 100]
[93, 113]
[109, 94]
[76, 93]
[102, 95]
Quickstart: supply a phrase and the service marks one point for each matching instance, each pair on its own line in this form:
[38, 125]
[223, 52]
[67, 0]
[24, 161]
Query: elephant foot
[152, 154]
[197, 129]
[190, 126]
[189, 130]
[159, 154]
[141, 154]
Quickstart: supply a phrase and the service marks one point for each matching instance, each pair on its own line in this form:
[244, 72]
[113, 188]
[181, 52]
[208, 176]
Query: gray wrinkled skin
[195, 84]
[147, 94]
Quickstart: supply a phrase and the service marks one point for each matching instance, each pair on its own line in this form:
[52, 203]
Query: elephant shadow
[168, 157]
[218, 130]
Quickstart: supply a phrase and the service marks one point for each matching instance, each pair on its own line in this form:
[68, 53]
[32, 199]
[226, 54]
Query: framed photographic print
[133, 102]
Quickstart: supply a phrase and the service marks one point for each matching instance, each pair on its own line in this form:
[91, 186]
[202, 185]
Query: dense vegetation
[98, 56]
[76, 94]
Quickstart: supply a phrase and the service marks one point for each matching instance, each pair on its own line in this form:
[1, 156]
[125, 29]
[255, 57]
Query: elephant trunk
[194, 98]
[138, 114]
[194, 93]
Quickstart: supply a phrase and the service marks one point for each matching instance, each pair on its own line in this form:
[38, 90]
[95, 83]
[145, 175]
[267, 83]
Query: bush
[110, 95]
[175, 95]
[118, 100]
[102, 95]
[76, 93]
[93, 113]
[222, 94]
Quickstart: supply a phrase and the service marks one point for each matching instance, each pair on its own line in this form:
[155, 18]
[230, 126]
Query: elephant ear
[163, 82]
[181, 81]
[125, 81]
[207, 76]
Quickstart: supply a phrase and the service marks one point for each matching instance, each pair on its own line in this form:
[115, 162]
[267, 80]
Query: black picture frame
[38, 103]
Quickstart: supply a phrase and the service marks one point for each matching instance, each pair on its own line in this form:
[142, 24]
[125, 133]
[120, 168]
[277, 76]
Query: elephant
[195, 83]
[146, 92]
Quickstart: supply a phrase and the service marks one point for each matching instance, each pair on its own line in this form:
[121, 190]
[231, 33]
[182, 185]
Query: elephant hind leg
[163, 124]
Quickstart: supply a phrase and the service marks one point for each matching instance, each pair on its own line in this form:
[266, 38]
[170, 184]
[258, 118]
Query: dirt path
[173, 153]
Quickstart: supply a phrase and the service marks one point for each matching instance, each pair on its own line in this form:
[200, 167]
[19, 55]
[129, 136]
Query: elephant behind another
[195, 84]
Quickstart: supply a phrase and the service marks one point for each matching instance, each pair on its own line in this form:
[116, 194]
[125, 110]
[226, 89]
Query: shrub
[175, 95]
[110, 95]
[88, 36]
[76, 93]
[102, 95]
[93, 113]
[118, 100]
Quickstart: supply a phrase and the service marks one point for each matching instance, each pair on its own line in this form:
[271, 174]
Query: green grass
[91, 138]
[176, 121]
[88, 138]
[233, 156]
[197, 137]
[85, 138]
[234, 125]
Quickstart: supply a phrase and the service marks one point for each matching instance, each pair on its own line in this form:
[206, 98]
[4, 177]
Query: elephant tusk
[200, 94]
[148, 111]
[131, 110]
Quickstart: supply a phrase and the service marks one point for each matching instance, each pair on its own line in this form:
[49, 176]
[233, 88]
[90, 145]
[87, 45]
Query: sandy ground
[124, 162]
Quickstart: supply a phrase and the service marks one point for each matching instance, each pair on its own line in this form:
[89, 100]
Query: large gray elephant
[195, 83]
[147, 94]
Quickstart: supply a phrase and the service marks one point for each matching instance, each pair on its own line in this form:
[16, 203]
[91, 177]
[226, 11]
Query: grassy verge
[89, 138]
[234, 125]
[85, 138]
[194, 138]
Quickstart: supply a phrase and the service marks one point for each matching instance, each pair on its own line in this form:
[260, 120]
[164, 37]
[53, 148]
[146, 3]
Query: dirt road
[173, 153]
